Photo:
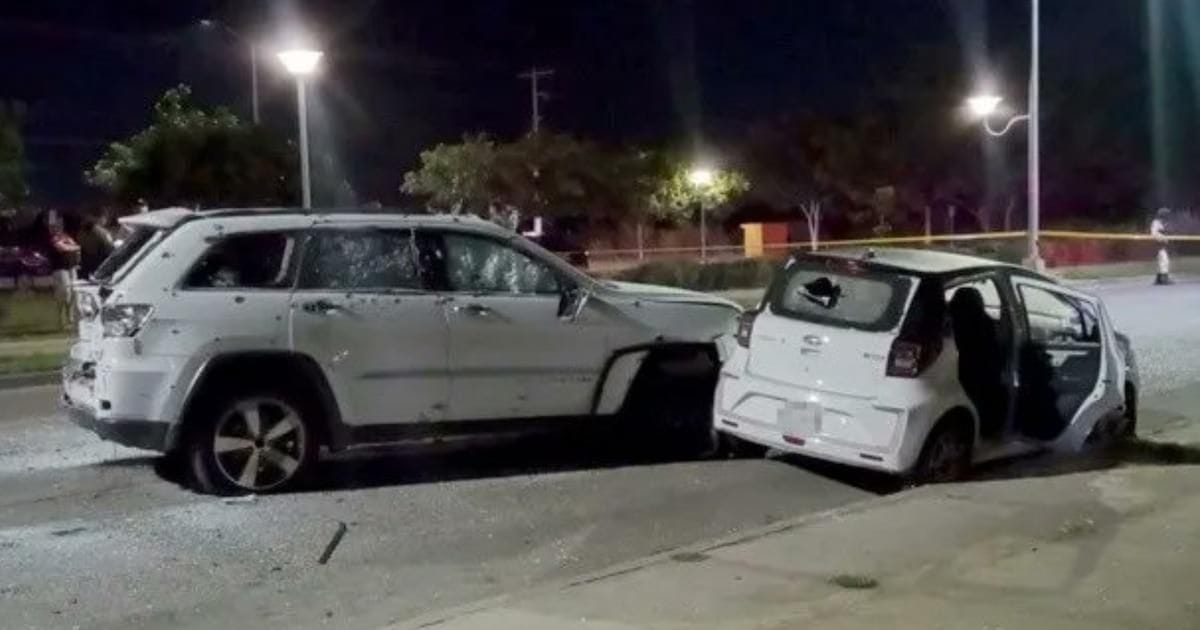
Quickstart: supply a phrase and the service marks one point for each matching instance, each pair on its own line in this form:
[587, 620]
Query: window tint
[254, 261]
[484, 265]
[361, 260]
[854, 298]
[1056, 318]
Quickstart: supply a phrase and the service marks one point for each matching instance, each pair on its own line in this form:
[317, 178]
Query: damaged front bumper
[80, 405]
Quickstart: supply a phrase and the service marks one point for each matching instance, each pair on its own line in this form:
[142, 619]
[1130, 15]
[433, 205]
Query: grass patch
[854, 581]
[27, 313]
[31, 363]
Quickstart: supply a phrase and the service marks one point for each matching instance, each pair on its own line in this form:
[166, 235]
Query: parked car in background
[921, 363]
[245, 340]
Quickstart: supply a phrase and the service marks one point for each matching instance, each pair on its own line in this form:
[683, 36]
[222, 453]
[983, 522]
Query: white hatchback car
[245, 340]
[920, 363]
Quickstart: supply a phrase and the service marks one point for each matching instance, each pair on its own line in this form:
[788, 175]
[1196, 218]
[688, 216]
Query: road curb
[33, 379]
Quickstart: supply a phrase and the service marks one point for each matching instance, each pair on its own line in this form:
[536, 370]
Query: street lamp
[984, 106]
[302, 63]
[217, 24]
[700, 178]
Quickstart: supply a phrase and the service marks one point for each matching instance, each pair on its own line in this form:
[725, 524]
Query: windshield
[137, 241]
[839, 295]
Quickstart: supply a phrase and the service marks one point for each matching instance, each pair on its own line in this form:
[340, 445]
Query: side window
[260, 260]
[483, 265]
[1057, 318]
[987, 289]
[361, 260]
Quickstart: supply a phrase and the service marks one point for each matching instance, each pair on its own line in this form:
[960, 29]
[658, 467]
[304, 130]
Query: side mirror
[571, 302]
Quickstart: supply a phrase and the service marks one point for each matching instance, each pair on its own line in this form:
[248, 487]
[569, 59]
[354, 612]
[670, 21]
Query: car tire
[732, 447]
[1117, 428]
[946, 455]
[674, 414]
[251, 441]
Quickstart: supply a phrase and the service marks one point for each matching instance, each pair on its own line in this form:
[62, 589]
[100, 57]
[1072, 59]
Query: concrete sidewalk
[1112, 547]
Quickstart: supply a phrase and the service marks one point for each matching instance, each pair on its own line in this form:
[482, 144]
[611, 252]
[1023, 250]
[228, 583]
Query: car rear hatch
[139, 234]
[830, 325]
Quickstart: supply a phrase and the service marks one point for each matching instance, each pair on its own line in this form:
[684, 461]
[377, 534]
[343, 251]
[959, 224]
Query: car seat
[980, 358]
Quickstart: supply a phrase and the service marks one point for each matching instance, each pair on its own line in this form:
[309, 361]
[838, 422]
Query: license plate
[799, 419]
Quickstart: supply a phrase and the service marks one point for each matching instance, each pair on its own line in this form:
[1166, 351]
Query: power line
[535, 95]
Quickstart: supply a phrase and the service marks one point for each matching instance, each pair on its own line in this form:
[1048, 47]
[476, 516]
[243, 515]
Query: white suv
[921, 363]
[244, 340]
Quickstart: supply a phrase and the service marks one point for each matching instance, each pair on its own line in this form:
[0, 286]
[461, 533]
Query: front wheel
[252, 443]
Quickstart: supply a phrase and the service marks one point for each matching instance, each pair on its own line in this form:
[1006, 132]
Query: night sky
[402, 75]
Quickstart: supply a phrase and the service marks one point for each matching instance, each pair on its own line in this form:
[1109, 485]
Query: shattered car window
[477, 264]
[361, 260]
[855, 299]
[255, 261]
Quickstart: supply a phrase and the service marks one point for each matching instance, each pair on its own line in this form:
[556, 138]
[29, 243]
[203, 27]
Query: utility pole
[535, 95]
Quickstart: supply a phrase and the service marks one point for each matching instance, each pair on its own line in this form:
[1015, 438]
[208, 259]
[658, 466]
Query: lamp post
[700, 178]
[985, 106]
[210, 24]
[302, 63]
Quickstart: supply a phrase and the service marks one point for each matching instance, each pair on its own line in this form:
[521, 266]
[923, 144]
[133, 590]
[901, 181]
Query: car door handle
[321, 307]
[478, 310]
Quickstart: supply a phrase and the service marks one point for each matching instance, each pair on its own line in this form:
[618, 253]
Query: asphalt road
[97, 536]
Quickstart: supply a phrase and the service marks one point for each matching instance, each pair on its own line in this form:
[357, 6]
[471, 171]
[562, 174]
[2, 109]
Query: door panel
[511, 355]
[361, 312]
[1062, 360]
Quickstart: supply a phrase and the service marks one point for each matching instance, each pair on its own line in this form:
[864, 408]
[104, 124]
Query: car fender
[207, 365]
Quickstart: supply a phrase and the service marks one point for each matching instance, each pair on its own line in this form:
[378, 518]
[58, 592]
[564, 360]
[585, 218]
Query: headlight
[86, 304]
[124, 320]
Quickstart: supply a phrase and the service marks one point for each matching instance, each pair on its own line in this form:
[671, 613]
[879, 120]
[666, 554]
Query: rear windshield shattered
[840, 295]
[138, 239]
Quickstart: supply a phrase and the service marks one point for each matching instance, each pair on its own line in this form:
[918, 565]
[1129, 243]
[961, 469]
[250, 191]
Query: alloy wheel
[259, 443]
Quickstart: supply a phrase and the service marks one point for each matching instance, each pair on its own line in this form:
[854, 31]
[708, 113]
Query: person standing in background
[1158, 231]
[95, 243]
[64, 260]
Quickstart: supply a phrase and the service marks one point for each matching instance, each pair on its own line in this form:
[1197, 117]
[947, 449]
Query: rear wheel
[255, 441]
[732, 447]
[946, 456]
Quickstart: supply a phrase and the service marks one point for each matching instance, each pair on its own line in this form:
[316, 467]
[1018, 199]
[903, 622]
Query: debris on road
[245, 498]
[333, 543]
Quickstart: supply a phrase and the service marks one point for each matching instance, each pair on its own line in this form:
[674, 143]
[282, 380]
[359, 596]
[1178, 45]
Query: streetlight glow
[701, 177]
[983, 105]
[300, 62]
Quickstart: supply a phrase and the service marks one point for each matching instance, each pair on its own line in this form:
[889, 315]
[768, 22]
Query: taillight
[745, 328]
[909, 358]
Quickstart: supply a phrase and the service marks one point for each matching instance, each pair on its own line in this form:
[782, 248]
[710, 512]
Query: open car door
[1064, 364]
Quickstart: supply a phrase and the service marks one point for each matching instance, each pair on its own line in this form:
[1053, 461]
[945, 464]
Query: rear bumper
[871, 433]
[88, 400]
[144, 434]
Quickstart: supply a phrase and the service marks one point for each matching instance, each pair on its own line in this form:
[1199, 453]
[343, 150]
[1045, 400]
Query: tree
[677, 199]
[13, 188]
[544, 174]
[458, 178]
[191, 156]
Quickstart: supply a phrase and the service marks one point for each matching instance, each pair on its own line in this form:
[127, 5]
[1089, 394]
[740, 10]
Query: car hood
[659, 293]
